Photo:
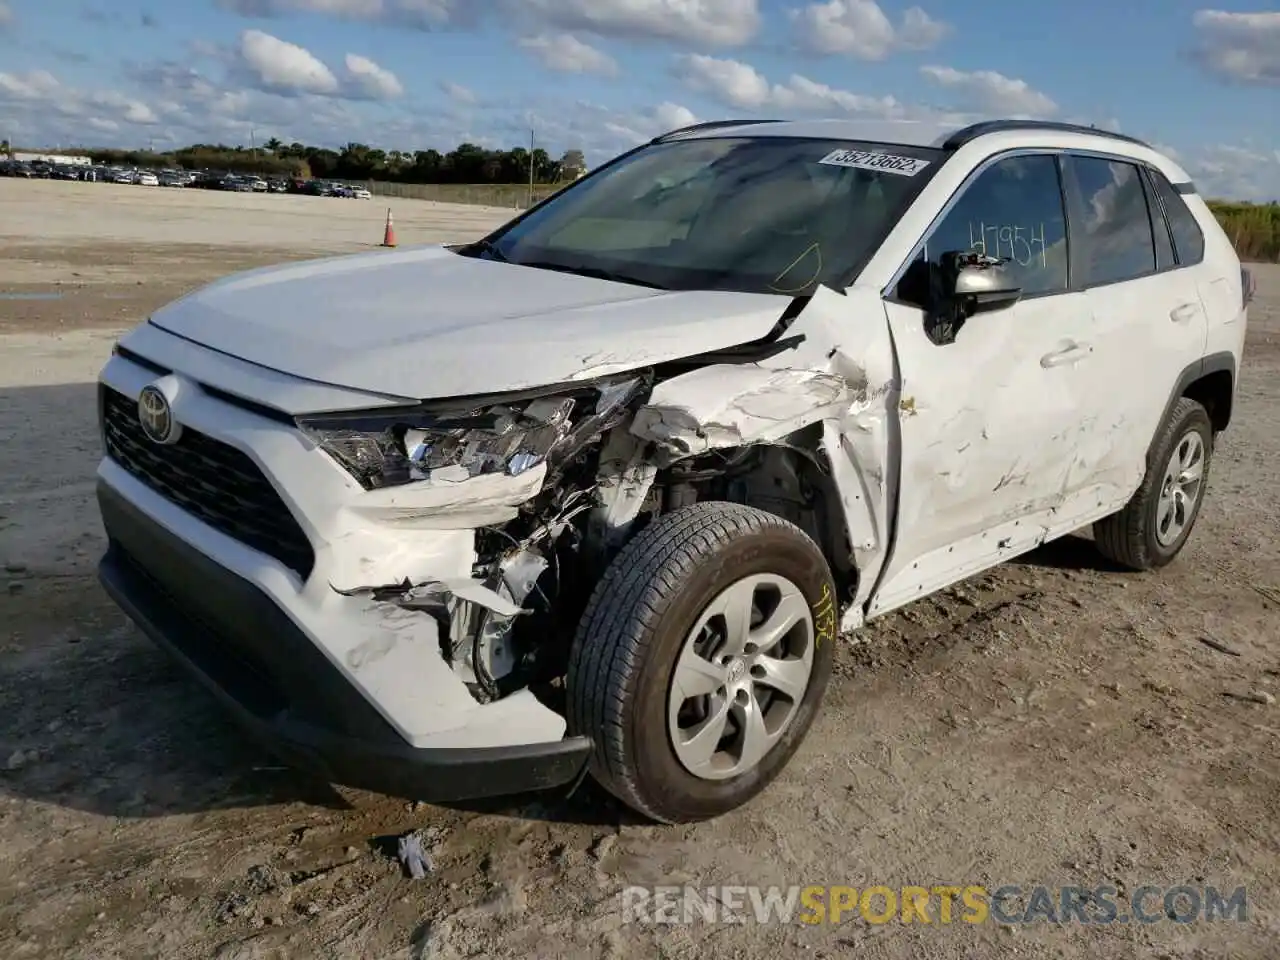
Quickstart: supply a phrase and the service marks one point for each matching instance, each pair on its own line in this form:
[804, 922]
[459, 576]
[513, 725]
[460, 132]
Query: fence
[510, 196]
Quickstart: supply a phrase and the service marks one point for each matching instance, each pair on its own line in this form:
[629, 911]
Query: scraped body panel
[841, 375]
[1002, 432]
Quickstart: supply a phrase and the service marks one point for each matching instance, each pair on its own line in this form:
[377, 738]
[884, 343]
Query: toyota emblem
[156, 416]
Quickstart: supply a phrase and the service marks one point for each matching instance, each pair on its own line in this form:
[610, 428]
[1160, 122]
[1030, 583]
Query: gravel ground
[1049, 722]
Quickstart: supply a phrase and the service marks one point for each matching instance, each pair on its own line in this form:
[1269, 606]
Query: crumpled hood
[426, 322]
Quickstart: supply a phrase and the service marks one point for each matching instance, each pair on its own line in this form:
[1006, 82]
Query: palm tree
[273, 145]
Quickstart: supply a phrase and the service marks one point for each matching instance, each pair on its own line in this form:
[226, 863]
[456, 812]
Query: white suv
[601, 491]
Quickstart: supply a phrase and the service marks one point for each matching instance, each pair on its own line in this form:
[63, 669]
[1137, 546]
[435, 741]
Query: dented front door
[989, 417]
[986, 428]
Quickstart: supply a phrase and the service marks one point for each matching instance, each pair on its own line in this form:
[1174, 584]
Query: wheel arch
[792, 479]
[1211, 382]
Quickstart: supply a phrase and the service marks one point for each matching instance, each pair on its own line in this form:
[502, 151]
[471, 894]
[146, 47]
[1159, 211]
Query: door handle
[1071, 354]
[1184, 312]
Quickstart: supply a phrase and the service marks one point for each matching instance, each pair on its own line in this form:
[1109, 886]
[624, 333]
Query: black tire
[1129, 536]
[634, 627]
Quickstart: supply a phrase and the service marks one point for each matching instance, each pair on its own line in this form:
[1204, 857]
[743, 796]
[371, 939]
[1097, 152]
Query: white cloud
[919, 31]
[375, 82]
[710, 22]
[33, 85]
[860, 28]
[126, 108]
[992, 92]
[283, 66]
[458, 93]
[672, 116]
[741, 85]
[706, 22]
[430, 14]
[565, 53]
[355, 9]
[599, 131]
[1242, 47]
[729, 81]
[1236, 172]
[40, 96]
[278, 66]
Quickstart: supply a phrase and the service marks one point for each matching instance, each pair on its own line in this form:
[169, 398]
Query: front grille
[211, 480]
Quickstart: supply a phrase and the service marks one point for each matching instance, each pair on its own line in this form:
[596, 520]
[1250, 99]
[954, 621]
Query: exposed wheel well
[1213, 391]
[789, 480]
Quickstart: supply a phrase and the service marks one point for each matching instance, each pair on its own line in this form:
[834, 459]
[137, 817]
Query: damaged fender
[841, 373]
[728, 405]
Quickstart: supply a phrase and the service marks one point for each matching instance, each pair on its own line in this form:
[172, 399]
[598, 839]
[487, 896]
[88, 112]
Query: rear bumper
[265, 671]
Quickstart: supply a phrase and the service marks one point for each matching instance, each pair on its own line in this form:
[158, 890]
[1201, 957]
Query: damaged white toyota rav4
[599, 492]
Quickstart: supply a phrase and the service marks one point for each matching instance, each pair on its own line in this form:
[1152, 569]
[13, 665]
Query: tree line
[1253, 228]
[466, 163]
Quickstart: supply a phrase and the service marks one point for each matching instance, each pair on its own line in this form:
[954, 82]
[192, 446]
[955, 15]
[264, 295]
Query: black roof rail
[708, 125]
[976, 130]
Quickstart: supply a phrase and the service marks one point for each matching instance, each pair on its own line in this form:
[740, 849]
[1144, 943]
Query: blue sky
[601, 75]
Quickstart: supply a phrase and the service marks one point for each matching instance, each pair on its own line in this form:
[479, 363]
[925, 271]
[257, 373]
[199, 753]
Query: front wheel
[701, 660]
[1154, 525]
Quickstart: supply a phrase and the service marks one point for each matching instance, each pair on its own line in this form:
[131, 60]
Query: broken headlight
[385, 449]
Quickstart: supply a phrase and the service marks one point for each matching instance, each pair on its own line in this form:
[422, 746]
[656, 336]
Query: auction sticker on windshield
[866, 160]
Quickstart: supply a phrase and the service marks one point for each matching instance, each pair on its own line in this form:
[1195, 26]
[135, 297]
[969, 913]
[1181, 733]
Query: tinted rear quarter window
[1188, 238]
[1113, 229]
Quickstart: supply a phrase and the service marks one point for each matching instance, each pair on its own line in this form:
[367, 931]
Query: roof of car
[911, 133]
[915, 133]
[923, 133]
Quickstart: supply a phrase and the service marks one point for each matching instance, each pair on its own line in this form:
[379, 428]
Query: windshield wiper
[594, 272]
[491, 248]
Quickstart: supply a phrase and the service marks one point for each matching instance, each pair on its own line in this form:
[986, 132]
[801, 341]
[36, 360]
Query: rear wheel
[701, 659]
[1154, 526]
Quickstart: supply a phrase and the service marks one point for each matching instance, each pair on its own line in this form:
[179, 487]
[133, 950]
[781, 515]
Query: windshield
[762, 215]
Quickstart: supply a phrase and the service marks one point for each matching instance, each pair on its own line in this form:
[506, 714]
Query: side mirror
[984, 286]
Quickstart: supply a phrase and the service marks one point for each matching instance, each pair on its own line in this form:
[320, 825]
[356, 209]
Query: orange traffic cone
[389, 234]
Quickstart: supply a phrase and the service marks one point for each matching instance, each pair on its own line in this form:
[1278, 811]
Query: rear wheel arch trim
[1222, 362]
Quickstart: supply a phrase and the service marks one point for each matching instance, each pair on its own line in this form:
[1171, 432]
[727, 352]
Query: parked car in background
[124, 176]
[360, 193]
[147, 179]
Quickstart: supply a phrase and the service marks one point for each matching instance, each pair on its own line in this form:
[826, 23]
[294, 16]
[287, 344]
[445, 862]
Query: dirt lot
[1052, 722]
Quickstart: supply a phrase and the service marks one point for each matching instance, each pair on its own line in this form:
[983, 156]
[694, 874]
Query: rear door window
[1112, 230]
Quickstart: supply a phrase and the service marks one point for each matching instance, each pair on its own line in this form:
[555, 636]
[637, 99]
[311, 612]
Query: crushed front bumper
[243, 648]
